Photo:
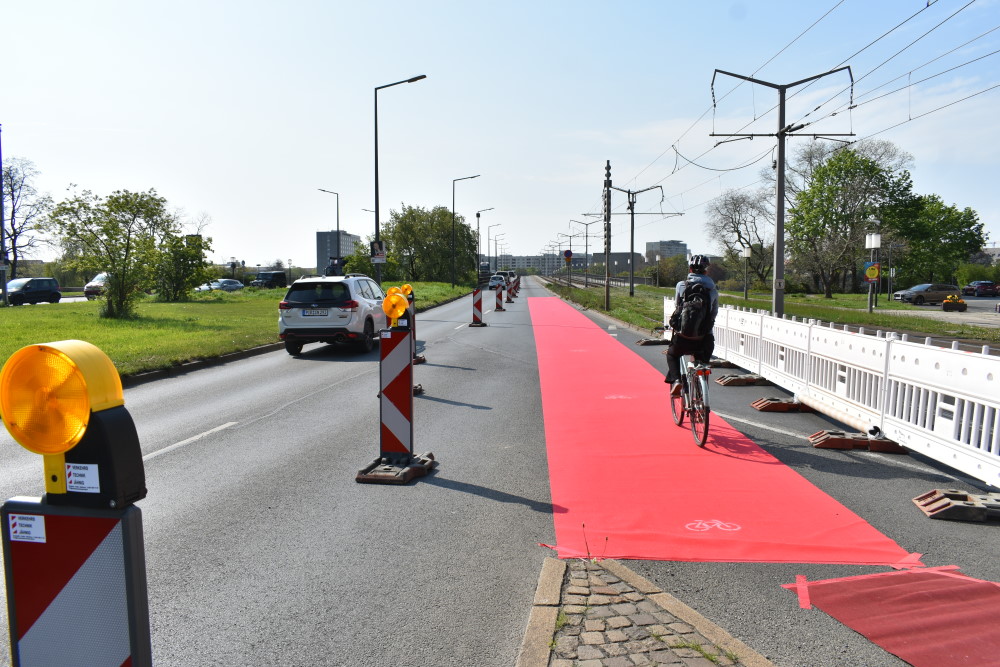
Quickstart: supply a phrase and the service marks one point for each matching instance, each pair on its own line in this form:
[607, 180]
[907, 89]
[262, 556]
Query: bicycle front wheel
[677, 408]
[699, 413]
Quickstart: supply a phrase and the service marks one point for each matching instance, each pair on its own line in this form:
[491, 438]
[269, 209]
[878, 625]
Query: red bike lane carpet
[628, 483]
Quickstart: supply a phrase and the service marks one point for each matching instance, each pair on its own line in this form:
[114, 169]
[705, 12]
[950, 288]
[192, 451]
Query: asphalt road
[262, 550]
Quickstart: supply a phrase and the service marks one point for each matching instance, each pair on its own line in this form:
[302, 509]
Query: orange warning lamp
[48, 391]
[407, 289]
[55, 396]
[394, 306]
[393, 290]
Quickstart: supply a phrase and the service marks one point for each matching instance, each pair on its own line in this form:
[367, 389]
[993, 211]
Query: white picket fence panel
[942, 403]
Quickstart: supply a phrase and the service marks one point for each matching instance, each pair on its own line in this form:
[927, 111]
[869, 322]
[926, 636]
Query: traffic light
[64, 400]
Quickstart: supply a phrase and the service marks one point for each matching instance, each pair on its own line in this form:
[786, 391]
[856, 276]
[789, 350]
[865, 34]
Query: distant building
[664, 249]
[326, 247]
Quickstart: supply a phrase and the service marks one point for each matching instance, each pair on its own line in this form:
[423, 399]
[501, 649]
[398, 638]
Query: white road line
[890, 460]
[459, 327]
[177, 445]
[748, 422]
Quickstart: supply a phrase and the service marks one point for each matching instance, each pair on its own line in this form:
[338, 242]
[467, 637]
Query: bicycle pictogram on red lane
[701, 525]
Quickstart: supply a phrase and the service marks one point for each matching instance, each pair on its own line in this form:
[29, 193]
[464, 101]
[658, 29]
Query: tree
[25, 211]
[419, 247]
[846, 196]
[182, 266]
[121, 235]
[939, 238]
[738, 219]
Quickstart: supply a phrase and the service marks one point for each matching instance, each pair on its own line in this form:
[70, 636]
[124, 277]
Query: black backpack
[691, 317]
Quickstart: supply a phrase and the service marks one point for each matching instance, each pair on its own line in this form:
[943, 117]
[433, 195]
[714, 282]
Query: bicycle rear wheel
[677, 407]
[699, 413]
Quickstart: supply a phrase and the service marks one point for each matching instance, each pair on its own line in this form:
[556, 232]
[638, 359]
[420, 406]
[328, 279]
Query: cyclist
[701, 345]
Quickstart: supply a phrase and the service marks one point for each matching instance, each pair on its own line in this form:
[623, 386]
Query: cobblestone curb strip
[608, 616]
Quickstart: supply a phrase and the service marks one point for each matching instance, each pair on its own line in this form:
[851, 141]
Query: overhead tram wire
[927, 113]
[884, 62]
[711, 107]
[909, 85]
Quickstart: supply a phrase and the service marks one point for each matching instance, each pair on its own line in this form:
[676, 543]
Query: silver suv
[331, 309]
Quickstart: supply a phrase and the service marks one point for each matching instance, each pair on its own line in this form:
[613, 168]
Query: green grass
[169, 334]
[645, 310]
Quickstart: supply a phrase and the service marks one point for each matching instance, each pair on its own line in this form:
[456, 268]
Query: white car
[331, 309]
[497, 281]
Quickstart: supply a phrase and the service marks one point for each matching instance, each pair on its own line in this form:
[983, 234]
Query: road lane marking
[889, 460]
[177, 445]
[459, 327]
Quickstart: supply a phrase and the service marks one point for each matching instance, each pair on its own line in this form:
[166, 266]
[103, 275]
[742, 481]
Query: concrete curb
[536, 649]
[142, 378]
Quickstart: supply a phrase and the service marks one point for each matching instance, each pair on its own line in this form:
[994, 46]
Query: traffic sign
[568, 254]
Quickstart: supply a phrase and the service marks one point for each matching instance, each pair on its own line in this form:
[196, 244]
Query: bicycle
[693, 400]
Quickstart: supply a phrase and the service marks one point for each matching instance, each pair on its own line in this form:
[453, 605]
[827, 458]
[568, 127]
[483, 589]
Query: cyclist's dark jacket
[708, 283]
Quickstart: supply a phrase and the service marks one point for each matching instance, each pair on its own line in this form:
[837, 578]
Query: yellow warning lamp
[393, 290]
[407, 289]
[394, 306]
[50, 395]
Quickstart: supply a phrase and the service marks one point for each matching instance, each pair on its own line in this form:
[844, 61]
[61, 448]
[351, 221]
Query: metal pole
[746, 274]
[378, 267]
[607, 236]
[631, 244]
[3, 234]
[778, 289]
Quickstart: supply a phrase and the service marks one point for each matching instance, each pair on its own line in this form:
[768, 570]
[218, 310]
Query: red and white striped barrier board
[76, 585]
[477, 308]
[500, 307]
[396, 463]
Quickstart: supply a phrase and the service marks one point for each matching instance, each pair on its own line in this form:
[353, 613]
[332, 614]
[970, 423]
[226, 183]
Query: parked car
[32, 290]
[926, 293]
[95, 288]
[498, 281]
[980, 288]
[345, 310]
[223, 284]
[270, 279]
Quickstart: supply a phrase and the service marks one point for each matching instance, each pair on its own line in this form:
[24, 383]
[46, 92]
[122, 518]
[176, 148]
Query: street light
[496, 245]
[338, 221]
[747, 254]
[479, 237]
[488, 244]
[453, 181]
[378, 267]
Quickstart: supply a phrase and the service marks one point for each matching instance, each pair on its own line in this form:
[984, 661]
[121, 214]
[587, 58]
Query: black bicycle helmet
[698, 263]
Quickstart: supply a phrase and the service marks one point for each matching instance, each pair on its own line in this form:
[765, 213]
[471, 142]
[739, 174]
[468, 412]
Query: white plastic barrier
[942, 403]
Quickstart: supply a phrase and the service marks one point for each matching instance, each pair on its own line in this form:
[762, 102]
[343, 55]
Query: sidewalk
[601, 614]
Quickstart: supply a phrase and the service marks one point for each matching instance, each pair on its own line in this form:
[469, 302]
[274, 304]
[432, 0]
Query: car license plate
[306, 312]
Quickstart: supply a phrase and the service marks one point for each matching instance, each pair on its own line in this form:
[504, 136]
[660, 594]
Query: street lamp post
[378, 267]
[496, 248]
[488, 228]
[747, 253]
[453, 181]
[479, 237]
[338, 222]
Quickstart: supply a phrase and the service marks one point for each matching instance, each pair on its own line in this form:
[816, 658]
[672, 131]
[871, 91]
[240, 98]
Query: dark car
[980, 288]
[33, 290]
[270, 279]
[926, 293]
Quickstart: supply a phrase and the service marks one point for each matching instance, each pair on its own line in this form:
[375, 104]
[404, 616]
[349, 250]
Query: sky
[239, 112]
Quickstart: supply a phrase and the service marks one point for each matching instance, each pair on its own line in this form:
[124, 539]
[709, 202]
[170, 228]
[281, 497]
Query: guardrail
[943, 403]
